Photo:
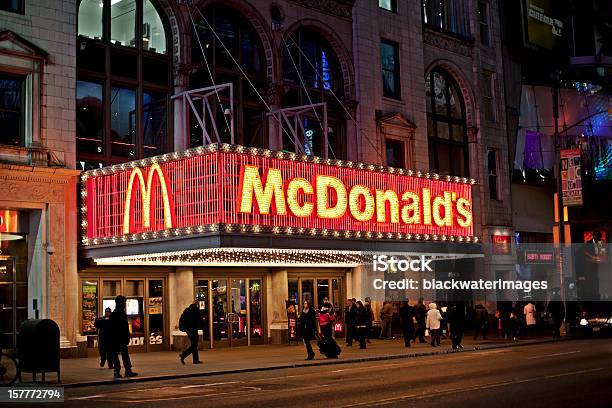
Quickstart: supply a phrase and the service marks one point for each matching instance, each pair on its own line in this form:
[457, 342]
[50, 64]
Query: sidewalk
[166, 365]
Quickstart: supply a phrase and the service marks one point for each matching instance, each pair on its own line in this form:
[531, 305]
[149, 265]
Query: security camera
[50, 249]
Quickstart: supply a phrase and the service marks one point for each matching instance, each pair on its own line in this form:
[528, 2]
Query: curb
[314, 363]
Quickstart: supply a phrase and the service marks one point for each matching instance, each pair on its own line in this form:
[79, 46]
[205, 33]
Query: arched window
[236, 34]
[312, 72]
[446, 128]
[123, 82]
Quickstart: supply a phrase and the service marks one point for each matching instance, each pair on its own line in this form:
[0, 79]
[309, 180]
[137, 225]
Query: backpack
[183, 321]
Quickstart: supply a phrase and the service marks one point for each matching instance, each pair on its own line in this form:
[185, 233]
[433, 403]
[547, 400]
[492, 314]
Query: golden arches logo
[156, 175]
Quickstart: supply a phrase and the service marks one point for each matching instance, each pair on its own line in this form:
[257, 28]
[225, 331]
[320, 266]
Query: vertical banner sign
[291, 321]
[571, 182]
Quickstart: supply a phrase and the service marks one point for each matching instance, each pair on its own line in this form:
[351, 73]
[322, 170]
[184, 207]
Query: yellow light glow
[464, 208]
[324, 183]
[293, 190]
[382, 197]
[426, 206]
[446, 204]
[368, 211]
[251, 185]
[145, 193]
[411, 212]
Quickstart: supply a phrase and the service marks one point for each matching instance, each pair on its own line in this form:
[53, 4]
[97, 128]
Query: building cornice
[51, 175]
[338, 8]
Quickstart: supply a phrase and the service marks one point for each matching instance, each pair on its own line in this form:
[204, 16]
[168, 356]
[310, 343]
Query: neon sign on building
[238, 189]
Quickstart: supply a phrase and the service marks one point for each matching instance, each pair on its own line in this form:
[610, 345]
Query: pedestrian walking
[530, 318]
[102, 324]
[362, 319]
[505, 310]
[433, 324]
[350, 311]
[327, 345]
[408, 320]
[421, 314]
[481, 321]
[308, 327]
[370, 314]
[190, 323]
[386, 315]
[456, 316]
[119, 338]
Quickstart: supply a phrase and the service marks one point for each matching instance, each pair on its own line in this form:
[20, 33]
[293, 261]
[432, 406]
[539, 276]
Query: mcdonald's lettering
[156, 175]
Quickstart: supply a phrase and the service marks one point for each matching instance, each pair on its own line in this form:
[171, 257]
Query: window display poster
[571, 179]
[155, 305]
[89, 305]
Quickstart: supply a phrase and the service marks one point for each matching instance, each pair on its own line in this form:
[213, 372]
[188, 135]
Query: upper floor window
[123, 85]
[447, 15]
[492, 170]
[389, 5]
[311, 71]
[235, 34]
[389, 60]
[13, 6]
[396, 152]
[483, 21]
[446, 125]
[488, 96]
[11, 110]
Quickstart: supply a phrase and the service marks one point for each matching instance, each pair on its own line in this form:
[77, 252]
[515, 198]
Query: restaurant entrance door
[231, 311]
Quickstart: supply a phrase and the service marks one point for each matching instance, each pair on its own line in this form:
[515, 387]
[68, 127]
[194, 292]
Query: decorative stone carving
[337, 8]
[447, 42]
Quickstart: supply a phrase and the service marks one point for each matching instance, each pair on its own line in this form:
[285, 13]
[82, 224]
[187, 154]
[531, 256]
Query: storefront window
[156, 311]
[307, 292]
[123, 22]
[90, 19]
[110, 290]
[134, 292]
[294, 290]
[255, 304]
[89, 117]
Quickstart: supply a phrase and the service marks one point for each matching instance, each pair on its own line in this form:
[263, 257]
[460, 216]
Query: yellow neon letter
[381, 209]
[464, 208]
[411, 213]
[426, 206]
[367, 213]
[250, 184]
[446, 203]
[324, 183]
[293, 190]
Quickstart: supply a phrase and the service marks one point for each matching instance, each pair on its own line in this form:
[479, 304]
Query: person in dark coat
[481, 321]
[556, 310]
[370, 314]
[120, 338]
[505, 310]
[407, 319]
[456, 317]
[103, 337]
[308, 327]
[192, 322]
[351, 321]
[362, 318]
[421, 315]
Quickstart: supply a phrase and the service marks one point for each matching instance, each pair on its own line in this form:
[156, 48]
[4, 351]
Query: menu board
[89, 305]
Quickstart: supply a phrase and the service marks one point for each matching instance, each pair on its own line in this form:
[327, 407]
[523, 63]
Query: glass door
[202, 294]
[134, 292]
[8, 316]
[238, 313]
[256, 331]
[155, 312]
[220, 330]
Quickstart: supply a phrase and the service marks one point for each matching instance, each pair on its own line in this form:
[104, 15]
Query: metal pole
[560, 208]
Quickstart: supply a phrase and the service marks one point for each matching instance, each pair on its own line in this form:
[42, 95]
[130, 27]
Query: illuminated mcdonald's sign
[238, 189]
[156, 176]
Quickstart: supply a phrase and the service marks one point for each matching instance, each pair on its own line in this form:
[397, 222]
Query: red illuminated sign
[254, 190]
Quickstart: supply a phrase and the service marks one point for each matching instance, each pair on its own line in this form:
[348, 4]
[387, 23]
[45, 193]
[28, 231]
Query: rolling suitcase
[328, 347]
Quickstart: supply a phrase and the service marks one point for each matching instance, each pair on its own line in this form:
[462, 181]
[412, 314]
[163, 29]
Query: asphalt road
[565, 374]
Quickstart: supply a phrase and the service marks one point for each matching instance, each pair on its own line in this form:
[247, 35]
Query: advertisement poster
[571, 180]
[291, 321]
[89, 304]
[155, 305]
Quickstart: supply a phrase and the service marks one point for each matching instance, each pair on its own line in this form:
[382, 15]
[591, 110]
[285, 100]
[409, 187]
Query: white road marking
[87, 397]
[554, 355]
[211, 384]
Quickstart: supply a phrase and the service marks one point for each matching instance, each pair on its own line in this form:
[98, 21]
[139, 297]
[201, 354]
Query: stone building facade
[37, 151]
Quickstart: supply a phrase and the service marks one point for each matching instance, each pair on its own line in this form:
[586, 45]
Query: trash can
[38, 348]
